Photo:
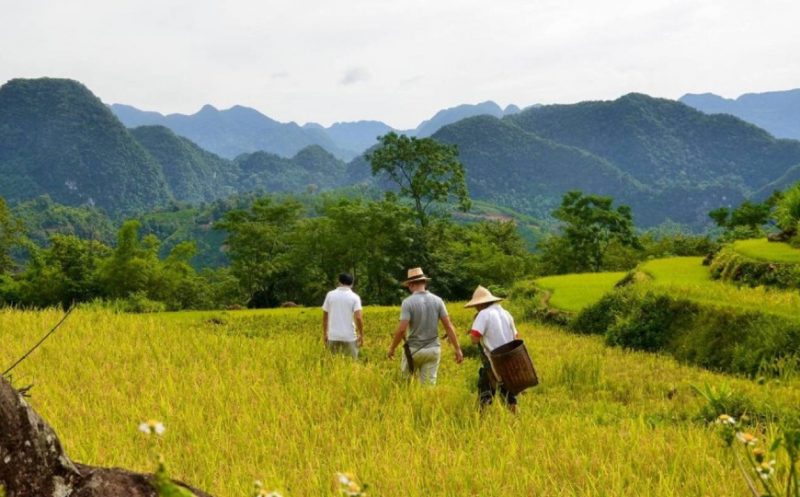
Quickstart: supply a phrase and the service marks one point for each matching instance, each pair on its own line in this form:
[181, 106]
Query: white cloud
[307, 60]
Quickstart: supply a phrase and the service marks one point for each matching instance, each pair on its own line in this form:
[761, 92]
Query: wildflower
[746, 438]
[759, 455]
[724, 419]
[152, 426]
[765, 469]
[346, 485]
[260, 492]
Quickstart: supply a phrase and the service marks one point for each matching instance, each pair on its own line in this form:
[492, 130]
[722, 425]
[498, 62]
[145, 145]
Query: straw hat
[415, 274]
[482, 296]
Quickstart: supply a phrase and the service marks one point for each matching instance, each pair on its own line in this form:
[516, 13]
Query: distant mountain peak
[207, 108]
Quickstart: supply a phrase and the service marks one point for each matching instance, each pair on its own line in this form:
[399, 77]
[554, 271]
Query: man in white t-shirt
[341, 306]
[493, 327]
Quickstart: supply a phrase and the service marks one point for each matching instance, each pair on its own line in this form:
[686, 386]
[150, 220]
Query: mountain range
[238, 130]
[662, 157]
[777, 111]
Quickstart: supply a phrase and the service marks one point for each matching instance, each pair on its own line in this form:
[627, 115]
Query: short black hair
[345, 279]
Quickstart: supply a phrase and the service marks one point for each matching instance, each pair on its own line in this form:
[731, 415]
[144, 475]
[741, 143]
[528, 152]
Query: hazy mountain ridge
[777, 111]
[229, 133]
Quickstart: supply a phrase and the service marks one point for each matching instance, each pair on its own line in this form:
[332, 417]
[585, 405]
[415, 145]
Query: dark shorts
[487, 389]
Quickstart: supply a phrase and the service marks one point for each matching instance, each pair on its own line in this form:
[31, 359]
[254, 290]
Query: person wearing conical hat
[493, 327]
[420, 315]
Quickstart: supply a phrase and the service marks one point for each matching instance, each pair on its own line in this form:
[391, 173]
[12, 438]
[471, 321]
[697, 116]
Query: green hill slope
[312, 168]
[192, 174]
[57, 138]
[663, 142]
[512, 167]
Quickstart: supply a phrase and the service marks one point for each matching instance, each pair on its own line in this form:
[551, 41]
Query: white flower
[152, 426]
[765, 469]
[726, 420]
[746, 438]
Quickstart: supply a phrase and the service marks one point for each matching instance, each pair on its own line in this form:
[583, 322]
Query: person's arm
[513, 325]
[451, 335]
[325, 327]
[359, 327]
[399, 333]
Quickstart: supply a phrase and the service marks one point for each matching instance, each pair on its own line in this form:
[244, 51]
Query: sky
[398, 61]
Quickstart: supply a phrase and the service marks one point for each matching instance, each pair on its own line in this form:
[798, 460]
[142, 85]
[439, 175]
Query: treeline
[279, 253]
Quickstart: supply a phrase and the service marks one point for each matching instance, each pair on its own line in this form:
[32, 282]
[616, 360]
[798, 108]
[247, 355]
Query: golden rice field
[252, 395]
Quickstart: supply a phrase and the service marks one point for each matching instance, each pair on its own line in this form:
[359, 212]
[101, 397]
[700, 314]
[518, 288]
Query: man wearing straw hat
[493, 327]
[420, 313]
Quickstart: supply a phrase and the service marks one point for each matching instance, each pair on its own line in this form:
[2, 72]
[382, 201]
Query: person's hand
[459, 356]
[360, 341]
[390, 354]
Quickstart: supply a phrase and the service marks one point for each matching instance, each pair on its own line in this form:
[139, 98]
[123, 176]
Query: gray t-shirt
[423, 310]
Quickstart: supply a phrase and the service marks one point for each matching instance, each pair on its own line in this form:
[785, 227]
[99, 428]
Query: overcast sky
[398, 61]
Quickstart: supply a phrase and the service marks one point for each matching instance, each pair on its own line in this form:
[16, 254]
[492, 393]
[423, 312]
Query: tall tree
[591, 224]
[10, 232]
[259, 244]
[426, 171]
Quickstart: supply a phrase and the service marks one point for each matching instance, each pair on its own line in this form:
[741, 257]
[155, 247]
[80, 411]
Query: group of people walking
[418, 329]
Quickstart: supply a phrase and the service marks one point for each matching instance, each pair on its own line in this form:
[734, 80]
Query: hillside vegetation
[58, 139]
[666, 160]
[678, 308]
[252, 395]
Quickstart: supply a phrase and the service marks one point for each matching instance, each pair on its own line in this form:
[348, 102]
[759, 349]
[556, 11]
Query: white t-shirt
[495, 326]
[340, 304]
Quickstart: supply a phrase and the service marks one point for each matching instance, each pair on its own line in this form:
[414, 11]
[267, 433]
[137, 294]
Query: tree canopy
[425, 171]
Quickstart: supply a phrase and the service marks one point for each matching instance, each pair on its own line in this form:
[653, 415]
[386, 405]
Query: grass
[573, 292]
[677, 270]
[763, 250]
[252, 395]
[687, 277]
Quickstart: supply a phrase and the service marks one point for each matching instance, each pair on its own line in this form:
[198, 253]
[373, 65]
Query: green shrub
[729, 265]
[787, 211]
[650, 324]
[716, 337]
[597, 318]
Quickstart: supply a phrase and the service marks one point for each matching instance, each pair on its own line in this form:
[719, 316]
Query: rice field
[573, 292]
[252, 395]
[761, 249]
[687, 277]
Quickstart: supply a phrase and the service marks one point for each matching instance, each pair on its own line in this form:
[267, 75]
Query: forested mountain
[312, 169]
[665, 159]
[777, 111]
[193, 174]
[679, 153]
[510, 166]
[57, 138]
